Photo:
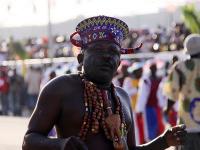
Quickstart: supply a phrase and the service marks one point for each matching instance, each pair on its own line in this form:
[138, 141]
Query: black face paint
[101, 60]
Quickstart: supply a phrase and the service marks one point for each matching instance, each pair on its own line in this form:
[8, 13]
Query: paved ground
[12, 130]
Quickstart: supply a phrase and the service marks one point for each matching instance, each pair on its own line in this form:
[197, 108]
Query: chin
[102, 78]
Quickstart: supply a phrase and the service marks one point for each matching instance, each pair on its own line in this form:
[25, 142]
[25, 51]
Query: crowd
[20, 85]
[36, 47]
[159, 39]
[154, 40]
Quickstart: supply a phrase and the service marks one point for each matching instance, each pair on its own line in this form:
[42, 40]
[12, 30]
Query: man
[183, 85]
[88, 111]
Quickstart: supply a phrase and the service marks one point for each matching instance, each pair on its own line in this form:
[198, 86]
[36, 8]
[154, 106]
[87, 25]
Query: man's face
[101, 60]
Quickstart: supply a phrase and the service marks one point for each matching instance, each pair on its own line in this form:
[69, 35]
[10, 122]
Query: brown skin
[61, 103]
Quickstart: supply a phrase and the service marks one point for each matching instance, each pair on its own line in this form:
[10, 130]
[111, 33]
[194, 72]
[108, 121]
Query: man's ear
[80, 58]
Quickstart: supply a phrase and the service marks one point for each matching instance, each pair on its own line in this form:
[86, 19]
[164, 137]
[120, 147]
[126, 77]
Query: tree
[191, 18]
[16, 49]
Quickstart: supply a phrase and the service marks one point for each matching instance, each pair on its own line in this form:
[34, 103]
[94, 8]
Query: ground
[12, 130]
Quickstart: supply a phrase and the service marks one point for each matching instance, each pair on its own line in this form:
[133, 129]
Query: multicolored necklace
[99, 114]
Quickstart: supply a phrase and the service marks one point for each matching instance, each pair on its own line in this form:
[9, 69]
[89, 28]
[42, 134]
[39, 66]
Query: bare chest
[71, 120]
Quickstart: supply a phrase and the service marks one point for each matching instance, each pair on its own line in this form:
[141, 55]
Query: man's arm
[35, 141]
[157, 144]
[171, 137]
[42, 121]
[44, 117]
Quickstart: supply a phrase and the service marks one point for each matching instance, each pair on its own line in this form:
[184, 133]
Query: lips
[105, 67]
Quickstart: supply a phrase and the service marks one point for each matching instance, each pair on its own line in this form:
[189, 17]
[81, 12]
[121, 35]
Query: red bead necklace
[99, 114]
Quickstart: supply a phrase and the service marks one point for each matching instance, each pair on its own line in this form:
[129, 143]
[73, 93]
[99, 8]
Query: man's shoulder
[124, 99]
[66, 78]
[63, 81]
[119, 89]
[122, 93]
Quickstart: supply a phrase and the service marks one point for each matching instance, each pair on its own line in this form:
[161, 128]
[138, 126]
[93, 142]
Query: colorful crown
[101, 28]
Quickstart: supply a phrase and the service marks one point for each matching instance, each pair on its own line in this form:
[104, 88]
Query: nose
[106, 57]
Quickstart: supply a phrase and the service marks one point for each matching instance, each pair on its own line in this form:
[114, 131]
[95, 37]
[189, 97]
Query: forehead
[103, 45]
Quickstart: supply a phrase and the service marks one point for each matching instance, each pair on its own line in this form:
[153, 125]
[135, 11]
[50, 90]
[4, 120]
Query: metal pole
[50, 39]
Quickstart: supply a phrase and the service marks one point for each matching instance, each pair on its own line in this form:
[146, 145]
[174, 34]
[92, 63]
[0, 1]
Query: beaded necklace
[99, 114]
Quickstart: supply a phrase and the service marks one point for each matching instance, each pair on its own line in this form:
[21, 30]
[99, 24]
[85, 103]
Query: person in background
[16, 87]
[171, 116]
[183, 86]
[131, 86]
[33, 81]
[52, 75]
[175, 59]
[4, 91]
[148, 103]
[122, 71]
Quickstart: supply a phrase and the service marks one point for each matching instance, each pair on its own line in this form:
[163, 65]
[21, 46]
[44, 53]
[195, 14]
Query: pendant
[118, 146]
[113, 123]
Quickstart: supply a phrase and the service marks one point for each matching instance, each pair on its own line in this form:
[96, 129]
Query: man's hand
[74, 143]
[175, 135]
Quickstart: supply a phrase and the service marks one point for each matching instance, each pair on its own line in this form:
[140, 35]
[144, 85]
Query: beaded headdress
[102, 28]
